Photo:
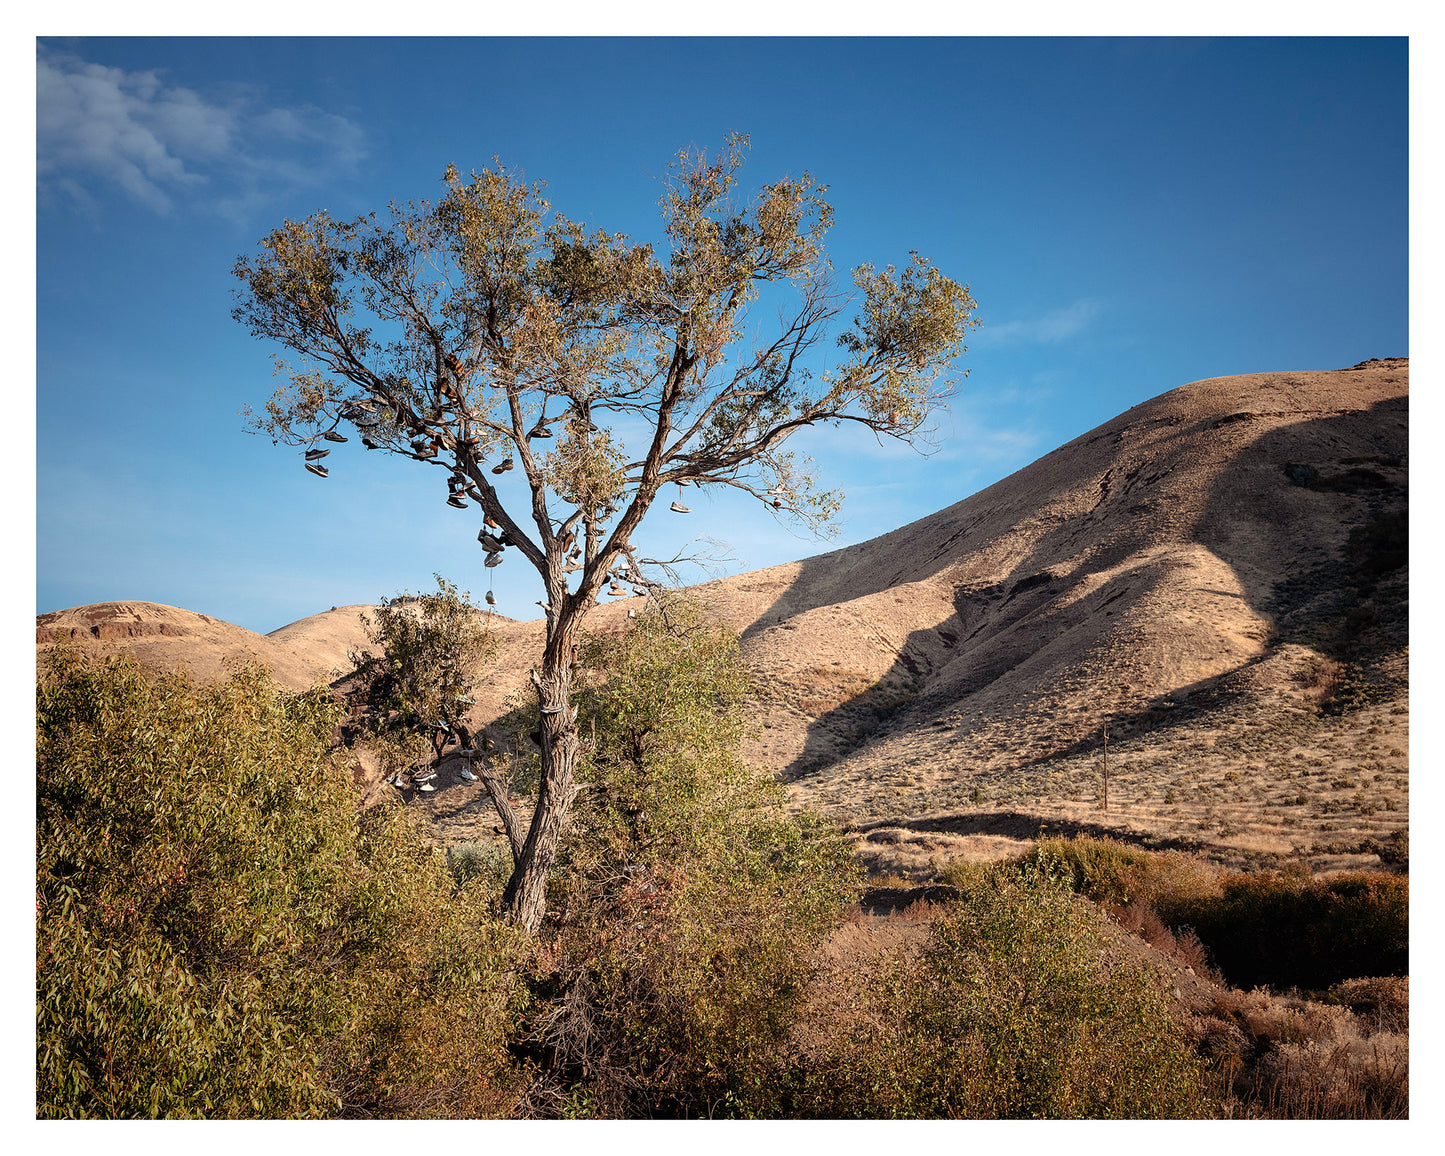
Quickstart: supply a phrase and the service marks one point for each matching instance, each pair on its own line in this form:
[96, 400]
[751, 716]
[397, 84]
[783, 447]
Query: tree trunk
[525, 898]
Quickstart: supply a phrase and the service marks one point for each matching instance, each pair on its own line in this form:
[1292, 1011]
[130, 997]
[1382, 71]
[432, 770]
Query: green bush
[429, 647]
[1278, 928]
[219, 935]
[1290, 929]
[689, 900]
[1016, 1008]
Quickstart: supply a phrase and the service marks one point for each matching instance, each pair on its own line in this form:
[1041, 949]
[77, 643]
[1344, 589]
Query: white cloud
[98, 126]
[1058, 325]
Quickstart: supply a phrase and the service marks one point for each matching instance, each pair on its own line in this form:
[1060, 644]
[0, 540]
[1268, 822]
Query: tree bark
[525, 898]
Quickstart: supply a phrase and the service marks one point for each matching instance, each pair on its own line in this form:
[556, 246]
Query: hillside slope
[1182, 576]
[1178, 574]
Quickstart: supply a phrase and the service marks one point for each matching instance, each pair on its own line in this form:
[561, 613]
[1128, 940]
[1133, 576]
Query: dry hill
[1183, 575]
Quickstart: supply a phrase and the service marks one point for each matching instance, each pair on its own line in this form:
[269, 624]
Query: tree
[471, 334]
[419, 686]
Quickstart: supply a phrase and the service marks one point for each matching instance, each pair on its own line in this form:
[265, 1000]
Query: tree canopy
[484, 332]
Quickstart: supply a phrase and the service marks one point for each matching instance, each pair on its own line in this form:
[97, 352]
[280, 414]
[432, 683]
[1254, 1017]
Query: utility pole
[1104, 731]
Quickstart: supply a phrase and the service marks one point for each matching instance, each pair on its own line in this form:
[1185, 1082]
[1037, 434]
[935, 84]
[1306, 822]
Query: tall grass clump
[1016, 1008]
[219, 934]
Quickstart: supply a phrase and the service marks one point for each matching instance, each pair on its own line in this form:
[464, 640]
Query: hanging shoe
[489, 523]
[503, 467]
[319, 471]
[539, 431]
[490, 600]
[370, 442]
[493, 560]
[332, 436]
[316, 455]
[615, 590]
[468, 776]
[459, 502]
[679, 508]
[489, 543]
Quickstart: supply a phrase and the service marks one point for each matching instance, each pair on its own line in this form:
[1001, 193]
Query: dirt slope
[1179, 574]
[169, 637]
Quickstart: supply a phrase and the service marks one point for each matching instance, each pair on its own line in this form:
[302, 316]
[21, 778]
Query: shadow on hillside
[1019, 825]
[1302, 488]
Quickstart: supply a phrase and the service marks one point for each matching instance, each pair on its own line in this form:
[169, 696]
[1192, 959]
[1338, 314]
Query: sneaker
[493, 560]
[319, 471]
[316, 455]
[468, 776]
[503, 467]
[332, 436]
[490, 600]
[679, 508]
[459, 503]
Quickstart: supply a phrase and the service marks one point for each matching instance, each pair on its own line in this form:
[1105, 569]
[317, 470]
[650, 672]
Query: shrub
[219, 935]
[688, 899]
[1016, 1008]
[1289, 929]
[1282, 928]
[429, 648]
[1299, 1059]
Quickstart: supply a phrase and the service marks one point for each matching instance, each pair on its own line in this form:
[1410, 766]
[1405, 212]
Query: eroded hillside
[1214, 577]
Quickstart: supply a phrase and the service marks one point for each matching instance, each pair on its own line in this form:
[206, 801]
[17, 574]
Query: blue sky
[1130, 215]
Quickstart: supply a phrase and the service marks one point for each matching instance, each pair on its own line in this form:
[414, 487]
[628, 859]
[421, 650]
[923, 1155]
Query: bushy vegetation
[1015, 1008]
[688, 901]
[1289, 929]
[1281, 928]
[219, 935]
[428, 648]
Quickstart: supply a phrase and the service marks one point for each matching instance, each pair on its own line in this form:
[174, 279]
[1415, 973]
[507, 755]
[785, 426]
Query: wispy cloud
[1058, 325]
[99, 127]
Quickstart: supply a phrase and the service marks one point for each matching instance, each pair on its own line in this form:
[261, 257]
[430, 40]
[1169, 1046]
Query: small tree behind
[472, 335]
[417, 690]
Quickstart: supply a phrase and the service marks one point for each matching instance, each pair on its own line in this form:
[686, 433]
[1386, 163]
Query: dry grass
[1284, 1057]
